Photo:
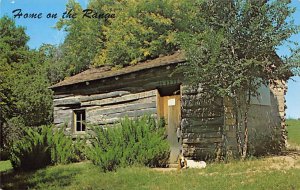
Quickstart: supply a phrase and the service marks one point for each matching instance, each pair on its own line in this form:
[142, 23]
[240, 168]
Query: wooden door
[170, 109]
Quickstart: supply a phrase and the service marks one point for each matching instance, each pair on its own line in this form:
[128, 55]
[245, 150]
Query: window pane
[78, 128]
[83, 127]
[83, 115]
[78, 115]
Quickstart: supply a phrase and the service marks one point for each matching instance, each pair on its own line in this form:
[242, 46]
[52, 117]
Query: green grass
[237, 175]
[293, 128]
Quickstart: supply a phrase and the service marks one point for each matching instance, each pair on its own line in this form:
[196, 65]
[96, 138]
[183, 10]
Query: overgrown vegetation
[140, 141]
[43, 146]
[234, 54]
[25, 99]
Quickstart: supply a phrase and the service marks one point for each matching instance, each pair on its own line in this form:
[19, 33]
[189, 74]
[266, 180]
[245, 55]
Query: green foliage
[24, 92]
[12, 50]
[237, 45]
[32, 151]
[140, 30]
[83, 42]
[233, 54]
[138, 141]
[5, 166]
[12, 130]
[143, 30]
[41, 147]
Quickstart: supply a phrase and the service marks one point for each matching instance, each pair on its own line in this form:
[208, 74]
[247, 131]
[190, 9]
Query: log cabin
[197, 126]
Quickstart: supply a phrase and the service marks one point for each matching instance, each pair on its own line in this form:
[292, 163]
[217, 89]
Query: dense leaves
[24, 93]
[138, 31]
[133, 141]
[43, 146]
[235, 53]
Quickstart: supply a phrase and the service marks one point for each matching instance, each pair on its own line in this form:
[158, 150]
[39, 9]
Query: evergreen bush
[42, 146]
[139, 141]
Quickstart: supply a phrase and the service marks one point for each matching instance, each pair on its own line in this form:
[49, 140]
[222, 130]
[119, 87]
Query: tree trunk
[246, 136]
[238, 127]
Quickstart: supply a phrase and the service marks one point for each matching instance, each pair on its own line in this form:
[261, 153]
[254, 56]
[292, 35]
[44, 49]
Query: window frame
[82, 121]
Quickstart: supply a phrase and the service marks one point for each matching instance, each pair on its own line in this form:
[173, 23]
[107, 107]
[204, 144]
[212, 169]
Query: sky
[43, 31]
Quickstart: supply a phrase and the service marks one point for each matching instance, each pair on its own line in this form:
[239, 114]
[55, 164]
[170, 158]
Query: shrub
[138, 141]
[41, 147]
[11, 131]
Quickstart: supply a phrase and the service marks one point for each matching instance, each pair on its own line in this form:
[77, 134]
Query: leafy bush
[11, 131]
[139, 141]
[41, 147]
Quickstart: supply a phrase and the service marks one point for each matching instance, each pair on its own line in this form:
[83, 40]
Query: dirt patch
[165, 169]
[289, 160]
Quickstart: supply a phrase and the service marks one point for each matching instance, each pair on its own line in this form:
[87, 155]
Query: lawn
[266, 173]
[293, 128]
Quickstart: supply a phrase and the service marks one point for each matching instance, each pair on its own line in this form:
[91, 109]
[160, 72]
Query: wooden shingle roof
[106, 72]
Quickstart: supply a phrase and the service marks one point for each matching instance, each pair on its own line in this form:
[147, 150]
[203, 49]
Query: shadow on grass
[59, 176]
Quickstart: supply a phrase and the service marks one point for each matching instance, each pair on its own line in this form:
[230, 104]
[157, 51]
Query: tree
[83, 41]
[235, 52]
[13, 47]
[24, 94]
[138, 31]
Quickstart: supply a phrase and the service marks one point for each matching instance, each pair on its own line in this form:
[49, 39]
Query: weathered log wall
[202, 124]
[102, 109]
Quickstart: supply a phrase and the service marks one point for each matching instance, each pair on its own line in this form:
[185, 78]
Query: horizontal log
[202, 117]
[62, 120]
[62, 96]
[202, 129]
[206, 135]
[135, 113]
[101, 121]
[200, 153]
[125, 98]
[67, 101]
[62, 112]
[190, 122]
[103, 96]
[61, 108]
[121, 108]
[108, 121]
[116, 106]
[202, 140]
[202, 112]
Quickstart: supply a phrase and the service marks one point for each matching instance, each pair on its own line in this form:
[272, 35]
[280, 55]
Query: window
[79, 120]
[263, 97]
